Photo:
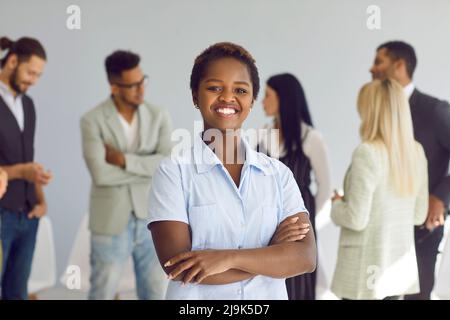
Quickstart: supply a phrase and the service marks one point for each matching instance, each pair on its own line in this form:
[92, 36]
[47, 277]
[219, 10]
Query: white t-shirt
[131, 131]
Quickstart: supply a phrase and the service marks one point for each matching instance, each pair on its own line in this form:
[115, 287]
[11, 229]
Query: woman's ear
[194, 99]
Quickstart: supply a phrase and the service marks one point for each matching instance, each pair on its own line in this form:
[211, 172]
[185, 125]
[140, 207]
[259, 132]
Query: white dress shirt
[409, 89]
[14, 104]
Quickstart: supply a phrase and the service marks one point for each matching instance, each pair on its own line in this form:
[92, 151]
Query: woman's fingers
[293, 227]
[191, 274]
[181, 268]
[288, 221]
[202, 275]
[290, 230]
[178, 258]
[295, 233]
[295, 238]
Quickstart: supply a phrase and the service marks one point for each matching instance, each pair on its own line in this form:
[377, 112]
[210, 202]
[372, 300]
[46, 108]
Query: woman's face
[225, 94]
[271, 103]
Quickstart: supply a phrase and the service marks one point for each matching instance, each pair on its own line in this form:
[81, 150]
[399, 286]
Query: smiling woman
[224, 84]
[228, 229]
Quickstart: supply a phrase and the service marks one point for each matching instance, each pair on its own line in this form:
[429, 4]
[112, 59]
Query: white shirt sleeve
[315, 149]
[292, 197]
[166, 200]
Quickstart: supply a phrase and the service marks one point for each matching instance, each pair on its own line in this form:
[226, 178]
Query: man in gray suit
[124, 139]
[431, 121]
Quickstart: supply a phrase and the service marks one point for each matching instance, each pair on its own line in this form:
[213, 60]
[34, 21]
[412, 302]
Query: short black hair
[402, 50]
[120, 61]
[24, 48]
[223, 50]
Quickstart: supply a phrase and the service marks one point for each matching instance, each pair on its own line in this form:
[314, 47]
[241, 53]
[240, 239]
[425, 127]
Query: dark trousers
[18, 238]
[427, 244]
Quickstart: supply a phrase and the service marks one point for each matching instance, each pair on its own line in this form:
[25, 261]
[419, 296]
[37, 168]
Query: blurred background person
[124, 140]
[23, 203]
[303, 150]
[385, 195]
[3, 186]
[431, 123]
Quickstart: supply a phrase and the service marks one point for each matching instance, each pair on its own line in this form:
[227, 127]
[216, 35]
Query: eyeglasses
[133, 86]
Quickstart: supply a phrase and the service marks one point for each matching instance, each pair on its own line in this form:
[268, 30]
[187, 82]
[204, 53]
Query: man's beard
[13, 83]
[129, 103]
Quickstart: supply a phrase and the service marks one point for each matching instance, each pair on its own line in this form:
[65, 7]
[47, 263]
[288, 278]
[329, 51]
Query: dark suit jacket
[17, 147]
[431, 121]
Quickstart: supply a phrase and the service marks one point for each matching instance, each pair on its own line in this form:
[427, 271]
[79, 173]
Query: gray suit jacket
[117, 192]
[431, 120]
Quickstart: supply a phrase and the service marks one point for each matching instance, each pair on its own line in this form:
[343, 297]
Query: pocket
[269, 223]
[201, 222]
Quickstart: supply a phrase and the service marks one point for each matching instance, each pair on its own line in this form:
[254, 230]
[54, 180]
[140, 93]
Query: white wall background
[325, 43]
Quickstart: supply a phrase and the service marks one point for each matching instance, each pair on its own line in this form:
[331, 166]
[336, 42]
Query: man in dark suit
[23, 203]
[431, 121]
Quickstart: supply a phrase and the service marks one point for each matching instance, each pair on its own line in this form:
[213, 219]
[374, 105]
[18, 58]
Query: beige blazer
[117, 192]
[377, 256]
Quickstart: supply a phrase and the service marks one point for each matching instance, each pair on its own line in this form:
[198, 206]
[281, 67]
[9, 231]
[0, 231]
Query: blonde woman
[3, 182]
[385, 195]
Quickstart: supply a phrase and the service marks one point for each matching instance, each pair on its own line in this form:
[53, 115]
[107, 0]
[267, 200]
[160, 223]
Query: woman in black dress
[302, 149]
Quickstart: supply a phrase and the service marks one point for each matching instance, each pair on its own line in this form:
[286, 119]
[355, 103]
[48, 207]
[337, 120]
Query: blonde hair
[386, 119]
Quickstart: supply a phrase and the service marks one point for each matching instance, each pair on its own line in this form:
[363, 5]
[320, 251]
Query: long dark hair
[293, 110]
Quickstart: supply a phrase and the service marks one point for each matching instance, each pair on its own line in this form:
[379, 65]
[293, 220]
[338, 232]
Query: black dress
[302, 287]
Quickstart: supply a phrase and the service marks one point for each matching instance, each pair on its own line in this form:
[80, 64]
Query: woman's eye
[241, 91]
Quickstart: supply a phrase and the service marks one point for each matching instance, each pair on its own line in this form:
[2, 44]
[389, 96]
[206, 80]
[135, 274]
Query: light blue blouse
[195, 188]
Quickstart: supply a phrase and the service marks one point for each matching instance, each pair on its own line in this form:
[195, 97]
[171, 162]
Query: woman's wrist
[233, 258]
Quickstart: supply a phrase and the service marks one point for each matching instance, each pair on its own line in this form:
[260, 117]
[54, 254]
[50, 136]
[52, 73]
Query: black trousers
[427, 244]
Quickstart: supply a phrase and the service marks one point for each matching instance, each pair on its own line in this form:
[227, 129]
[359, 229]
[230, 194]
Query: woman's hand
[336, 196]
[291, 229]
[198, 265]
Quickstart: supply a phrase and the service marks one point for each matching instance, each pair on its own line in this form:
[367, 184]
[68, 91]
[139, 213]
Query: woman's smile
[226, 111]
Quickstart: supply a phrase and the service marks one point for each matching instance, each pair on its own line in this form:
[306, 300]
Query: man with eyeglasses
[124, 139]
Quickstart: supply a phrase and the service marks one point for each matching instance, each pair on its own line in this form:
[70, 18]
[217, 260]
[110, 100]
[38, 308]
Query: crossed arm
[292, 251]
[111, 167]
